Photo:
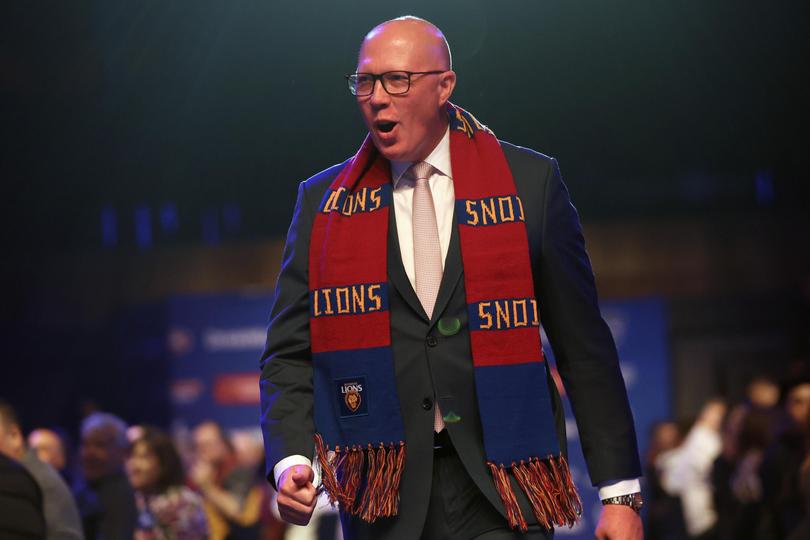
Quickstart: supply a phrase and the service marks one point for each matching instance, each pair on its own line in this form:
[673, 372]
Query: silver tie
[427, 252]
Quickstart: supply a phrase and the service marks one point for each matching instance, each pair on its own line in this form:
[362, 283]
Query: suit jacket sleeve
[583, 345]
[286, 367]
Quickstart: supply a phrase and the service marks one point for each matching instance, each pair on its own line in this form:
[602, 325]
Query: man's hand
[296, 494]
[619, 522]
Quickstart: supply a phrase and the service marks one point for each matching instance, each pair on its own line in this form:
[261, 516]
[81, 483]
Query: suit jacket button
[427, 404]
[432, 341]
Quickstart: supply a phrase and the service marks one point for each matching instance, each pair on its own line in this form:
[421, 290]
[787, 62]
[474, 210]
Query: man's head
[211, 445]
[797, 401]
[49, 447]
[104, 446]
[248, 448]
[12, 443]
[406, 127]
[763, 392]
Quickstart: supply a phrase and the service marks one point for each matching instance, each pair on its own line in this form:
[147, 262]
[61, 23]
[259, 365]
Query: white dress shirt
[441, 188]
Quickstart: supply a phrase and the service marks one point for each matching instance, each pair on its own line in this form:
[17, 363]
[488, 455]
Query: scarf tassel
[343, 474]
[549, 488]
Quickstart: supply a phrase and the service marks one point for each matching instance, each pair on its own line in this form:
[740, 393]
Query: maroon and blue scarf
[360, 439]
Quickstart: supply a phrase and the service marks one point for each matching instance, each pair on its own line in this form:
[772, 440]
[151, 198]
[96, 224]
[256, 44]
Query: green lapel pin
[449, 326]
[451, 418]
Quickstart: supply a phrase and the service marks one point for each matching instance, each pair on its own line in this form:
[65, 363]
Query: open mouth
[386, 127]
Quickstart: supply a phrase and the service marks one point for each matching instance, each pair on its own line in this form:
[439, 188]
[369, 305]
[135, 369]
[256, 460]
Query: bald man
[326, 377]
[49, 448]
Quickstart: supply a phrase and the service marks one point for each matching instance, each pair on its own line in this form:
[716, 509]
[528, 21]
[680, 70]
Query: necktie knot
[421, 170]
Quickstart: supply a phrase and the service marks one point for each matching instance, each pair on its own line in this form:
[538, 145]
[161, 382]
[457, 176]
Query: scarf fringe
[549, 488]
[342, 475]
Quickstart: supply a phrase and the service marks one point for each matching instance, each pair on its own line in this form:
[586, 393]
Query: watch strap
[633, 500]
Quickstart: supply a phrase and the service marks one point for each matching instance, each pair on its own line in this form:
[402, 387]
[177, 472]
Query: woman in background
[167, 509]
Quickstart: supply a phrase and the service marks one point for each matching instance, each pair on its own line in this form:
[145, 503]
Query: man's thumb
[302, 475]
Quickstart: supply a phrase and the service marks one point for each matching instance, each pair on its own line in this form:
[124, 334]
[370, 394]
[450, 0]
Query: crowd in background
[133, 482]
[741, 471]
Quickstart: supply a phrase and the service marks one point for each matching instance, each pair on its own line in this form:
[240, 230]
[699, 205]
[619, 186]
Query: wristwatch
[633, 500]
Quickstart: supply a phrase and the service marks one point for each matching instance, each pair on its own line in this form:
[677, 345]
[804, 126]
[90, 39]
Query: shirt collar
[439, 158]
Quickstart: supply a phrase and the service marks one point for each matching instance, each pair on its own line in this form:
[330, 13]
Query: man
[105, 498]
[227, 488]
[404, 340]
[48, 446]
[61, 515]
[21, 514]
[782, 464]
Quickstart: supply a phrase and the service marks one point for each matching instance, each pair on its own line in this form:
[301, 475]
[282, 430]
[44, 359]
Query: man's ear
[447, 82]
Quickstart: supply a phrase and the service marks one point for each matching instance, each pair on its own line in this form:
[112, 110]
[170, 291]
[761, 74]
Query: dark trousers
[458, 510]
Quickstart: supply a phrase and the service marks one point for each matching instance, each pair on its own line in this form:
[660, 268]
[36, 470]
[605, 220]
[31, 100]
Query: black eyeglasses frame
[380, 77]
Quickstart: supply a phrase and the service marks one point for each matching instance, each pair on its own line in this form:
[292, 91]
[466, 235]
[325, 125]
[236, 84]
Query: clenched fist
[296, 494]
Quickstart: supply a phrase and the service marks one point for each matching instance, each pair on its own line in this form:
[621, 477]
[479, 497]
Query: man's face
[4, 439]
[48, 447]
[763, 394]
[10, 440]
[798, 403]
[100, 453]
[404, 127]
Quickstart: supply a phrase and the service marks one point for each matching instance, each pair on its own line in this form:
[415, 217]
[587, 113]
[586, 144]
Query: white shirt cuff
[290, 461]
[618, 488]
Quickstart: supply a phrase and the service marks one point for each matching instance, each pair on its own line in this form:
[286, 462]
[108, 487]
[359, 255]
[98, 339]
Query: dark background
[650, 107]
[131, 128]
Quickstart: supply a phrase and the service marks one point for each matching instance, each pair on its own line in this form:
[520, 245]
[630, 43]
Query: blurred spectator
[737, 485]
[802, 530]
[49, 448]
[105, 498]
[664, 515]
[762, 392]
[167, 509]
[233, 498]
[61, 515]
[754, 439]
[21, 509]
[249, 448]
[685, 471]
[780, 471]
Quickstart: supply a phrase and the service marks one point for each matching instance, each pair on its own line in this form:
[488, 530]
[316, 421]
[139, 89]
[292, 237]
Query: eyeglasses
[393, 82]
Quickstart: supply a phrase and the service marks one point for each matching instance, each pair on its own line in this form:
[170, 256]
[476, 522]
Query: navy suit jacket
[428, 363]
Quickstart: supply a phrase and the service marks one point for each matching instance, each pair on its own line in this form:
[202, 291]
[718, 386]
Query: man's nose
[378, 94]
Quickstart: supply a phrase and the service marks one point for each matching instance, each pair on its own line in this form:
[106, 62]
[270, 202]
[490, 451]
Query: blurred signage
[215, 342]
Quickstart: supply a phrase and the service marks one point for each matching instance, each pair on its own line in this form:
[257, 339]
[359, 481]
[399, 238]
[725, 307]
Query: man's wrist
[633, 500]
[286, 463]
